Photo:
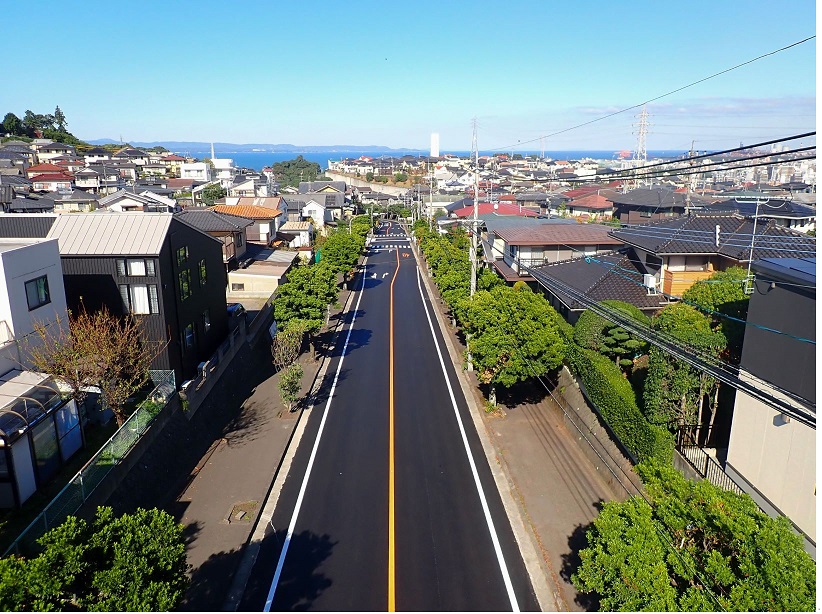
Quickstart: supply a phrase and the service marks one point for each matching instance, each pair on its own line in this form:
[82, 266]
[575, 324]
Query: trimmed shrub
[612, 394]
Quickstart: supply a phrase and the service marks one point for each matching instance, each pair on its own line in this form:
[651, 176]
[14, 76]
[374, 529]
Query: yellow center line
[391, 566]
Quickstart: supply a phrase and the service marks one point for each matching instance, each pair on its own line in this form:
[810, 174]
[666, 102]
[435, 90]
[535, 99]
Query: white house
[198, 171]
[317, 212]
[301, 231]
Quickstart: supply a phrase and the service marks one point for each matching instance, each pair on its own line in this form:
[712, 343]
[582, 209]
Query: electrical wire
[636, 106]
[713, 365]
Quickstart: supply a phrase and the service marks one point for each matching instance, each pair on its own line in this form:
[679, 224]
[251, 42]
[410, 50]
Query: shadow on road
[571, 562]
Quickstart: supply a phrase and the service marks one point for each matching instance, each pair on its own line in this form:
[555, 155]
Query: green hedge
[612, 394]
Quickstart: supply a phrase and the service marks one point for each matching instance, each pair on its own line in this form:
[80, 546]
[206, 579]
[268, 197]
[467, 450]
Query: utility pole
[473, 254]
[690, 182]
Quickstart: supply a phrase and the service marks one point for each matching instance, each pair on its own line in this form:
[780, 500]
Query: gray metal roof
[111, 233]
[800, 270]
[209, 220]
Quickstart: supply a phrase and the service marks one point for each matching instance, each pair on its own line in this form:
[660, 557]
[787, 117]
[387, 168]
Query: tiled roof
[491, 208]
[52, 177]
[558, 234]
[295, 226]
[613, 276]
[45, 167]
[592, 201]
[247, 211]
[696, 234]
[208, 220]
[662, 198]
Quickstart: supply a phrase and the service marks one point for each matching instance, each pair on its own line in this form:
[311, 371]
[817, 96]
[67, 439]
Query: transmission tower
[641, 153]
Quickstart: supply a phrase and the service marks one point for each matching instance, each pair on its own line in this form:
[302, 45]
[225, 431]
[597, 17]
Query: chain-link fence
[80, 487]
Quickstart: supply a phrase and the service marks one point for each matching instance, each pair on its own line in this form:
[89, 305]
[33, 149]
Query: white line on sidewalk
[270, 599]
[506, 577]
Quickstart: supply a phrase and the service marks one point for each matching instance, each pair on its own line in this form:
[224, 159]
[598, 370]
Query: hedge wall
[613, 396]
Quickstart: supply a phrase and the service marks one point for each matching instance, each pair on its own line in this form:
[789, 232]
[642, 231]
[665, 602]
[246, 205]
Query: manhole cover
[243, 512]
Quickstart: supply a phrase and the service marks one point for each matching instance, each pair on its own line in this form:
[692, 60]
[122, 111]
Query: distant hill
[245, 147]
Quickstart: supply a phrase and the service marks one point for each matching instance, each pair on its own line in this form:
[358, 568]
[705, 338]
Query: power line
[679, 89]
[712, 365]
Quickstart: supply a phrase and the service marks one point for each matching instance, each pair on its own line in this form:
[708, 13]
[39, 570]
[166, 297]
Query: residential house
[486, 209]
[154, 266]
[28, 204]
[198, 171]
[248, 186]
[51, 182]
[96, 155]
[132, 155]
[680, 251]
[266, 221]
[44, 169]
[644, 205]
[321, 187]
[591, 206]
[69, 202]
[529, 246]
[261, 276]
[783, 211]
[772, 456]
[172, 162]
[299, 233]
[228, 229]
[39, 429]
[616, 275]
[100, 179]
[49, 151]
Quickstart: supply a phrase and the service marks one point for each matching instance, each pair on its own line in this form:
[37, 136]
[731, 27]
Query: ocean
[258, 159]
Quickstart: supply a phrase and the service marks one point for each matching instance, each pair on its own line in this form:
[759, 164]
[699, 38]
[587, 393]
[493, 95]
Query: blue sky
[391, 73]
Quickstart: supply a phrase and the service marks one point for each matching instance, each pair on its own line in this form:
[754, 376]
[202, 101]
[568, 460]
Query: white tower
[641, 153]
[435, 144]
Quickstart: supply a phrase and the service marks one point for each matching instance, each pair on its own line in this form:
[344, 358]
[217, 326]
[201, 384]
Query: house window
[185, 284]
[240, 239]
[206, 321]
[237, 287]
[203, 272]
[135, 267]
[37, 292]
[182, 255]
[188, 336]
[140, 298]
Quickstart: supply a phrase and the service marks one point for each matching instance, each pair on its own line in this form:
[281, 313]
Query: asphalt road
[389, 503]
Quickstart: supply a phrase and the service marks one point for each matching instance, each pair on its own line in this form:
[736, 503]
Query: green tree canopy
[674, 391]
[132, 563]
[596, 333]
[291, 172]
[513, 335]
[213, 193]
[306, 295]
[723, 296]
[13, 125]
[341, 250]
[693, 538]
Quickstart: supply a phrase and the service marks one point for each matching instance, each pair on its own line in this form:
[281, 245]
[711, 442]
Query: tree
[292, 172]
[596, 333]
[400, 177]
[674, 392]
[513, 335]
[13, 124]
[692, 538]
[723, 296]
[341, 250]
[212, 193]
[95, 349]
[289, 384]
[306, 295]
[286, 345]
[59, 119]
[369, 176]
[136, 562]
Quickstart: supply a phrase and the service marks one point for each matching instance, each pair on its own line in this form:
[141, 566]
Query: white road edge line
[292, 525]
[506, 577]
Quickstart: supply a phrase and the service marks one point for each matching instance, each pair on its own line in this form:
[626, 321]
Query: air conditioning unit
[649, 281]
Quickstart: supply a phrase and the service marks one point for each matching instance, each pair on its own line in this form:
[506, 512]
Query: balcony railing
[676, 282]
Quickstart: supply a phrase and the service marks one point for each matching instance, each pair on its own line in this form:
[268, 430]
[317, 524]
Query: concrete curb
[257, 534]
[545, 588]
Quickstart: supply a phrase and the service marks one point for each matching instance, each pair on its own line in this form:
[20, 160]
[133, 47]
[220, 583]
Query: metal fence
[83, 484]
[704, 464]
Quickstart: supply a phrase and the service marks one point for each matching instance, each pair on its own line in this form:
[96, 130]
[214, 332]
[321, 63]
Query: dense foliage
[675, 392]
[594, 332]
[52, 126]
[513, 334]
[613, 395]
[723, 297]
[696, 547]
[292, 172]
[306, 295]
[135, 563]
